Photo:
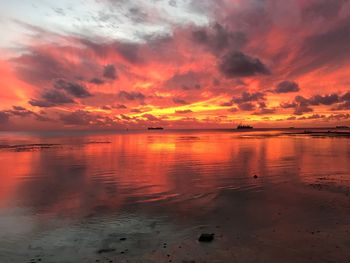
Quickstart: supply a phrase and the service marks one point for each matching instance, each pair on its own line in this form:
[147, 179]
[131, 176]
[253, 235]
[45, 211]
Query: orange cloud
[252, 63]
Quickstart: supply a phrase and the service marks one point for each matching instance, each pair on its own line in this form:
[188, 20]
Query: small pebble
[205, 237]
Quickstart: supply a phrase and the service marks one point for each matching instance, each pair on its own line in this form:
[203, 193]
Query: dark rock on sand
[255, 176]
[205, 237]
[122, 239]
[105, 250]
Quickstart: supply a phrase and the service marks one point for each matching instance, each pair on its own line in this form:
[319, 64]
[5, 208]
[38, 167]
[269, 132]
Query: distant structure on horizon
[244, 127]
[155, 128]
[342, 127]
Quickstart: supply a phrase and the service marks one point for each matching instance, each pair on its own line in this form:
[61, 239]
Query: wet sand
[289, 223]
[276, 216]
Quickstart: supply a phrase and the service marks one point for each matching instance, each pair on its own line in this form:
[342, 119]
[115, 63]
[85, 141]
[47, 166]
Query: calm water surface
[52, 184]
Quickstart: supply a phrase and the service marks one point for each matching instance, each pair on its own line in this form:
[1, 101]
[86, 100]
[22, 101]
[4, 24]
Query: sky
[118, 64]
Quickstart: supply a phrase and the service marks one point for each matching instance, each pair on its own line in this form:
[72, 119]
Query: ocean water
[64, 196]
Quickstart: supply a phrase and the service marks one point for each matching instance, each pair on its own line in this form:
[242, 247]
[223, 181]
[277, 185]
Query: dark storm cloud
[137, 15]
[325, 49]
[76, 118]
[97, 81]
[172, 3]
[288, 105]
[179, 101]
[129, 51]
[185, 81]
[41, 103]
[345, 102]
[286, 87]
[301, 109]
[263, 109]
[71, 88]
[246, 100]
[20, 111]
[338, 117]
[110, 72]
[132, 95]
[248, 97]
[51, 98]
[332, 117]
[154, 48]
[38, 67]
[324, 100]
[326, 9]
[303, 105]
[42, 64]
[99, 49]
[19, 108]
[300, 105]
[4, 118]
[237, 64]
[110, 107]
[343, 106]
[56, 97]
[42, 117]
[246, 106]
[84, 118]
[312, 117]
[218, 38]
[346, 96]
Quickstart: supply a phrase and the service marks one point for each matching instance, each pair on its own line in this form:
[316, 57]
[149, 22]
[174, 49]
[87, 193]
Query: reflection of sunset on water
[120, 168]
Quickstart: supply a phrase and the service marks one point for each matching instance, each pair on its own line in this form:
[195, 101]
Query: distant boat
[342, 127]
[244, 127]
[155, 128]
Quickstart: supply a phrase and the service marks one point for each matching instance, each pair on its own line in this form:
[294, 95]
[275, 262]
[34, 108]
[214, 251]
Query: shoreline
[271, 224]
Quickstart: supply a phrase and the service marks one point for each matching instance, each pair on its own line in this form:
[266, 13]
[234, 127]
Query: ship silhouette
[244, 127]
[155, 128]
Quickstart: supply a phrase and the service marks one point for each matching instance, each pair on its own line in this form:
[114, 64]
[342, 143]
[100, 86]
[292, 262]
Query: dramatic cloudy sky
[108, 64]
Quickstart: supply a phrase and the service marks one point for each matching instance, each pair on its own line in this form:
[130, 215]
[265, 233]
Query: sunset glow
[177, 64]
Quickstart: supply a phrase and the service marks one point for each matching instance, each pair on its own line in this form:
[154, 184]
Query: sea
[139, 196]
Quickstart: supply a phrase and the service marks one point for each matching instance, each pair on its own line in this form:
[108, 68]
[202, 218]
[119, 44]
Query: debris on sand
[205, 237]
[105, 250]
